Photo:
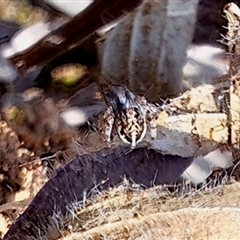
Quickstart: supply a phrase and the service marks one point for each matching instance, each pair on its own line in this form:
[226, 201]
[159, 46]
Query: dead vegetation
[158, 214]
[151, 214]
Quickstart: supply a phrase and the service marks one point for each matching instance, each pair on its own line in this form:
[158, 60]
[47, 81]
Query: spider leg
[153, 112]
[109, 119]
[153, 128]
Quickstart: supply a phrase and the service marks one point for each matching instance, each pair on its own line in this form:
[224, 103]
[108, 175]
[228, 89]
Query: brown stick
[67, 36]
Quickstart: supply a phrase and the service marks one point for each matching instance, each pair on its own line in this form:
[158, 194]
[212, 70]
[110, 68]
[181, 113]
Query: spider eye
[128, 95]
[121, 106]
[108, 94]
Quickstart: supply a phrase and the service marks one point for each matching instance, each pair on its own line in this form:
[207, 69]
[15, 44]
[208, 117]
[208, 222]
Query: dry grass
[157, 214]
[189, 223]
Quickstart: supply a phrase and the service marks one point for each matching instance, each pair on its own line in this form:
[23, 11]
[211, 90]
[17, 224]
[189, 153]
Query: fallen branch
[97, 14]
[87, 175]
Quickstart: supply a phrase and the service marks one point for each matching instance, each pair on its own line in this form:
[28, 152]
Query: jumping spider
[129, 115]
